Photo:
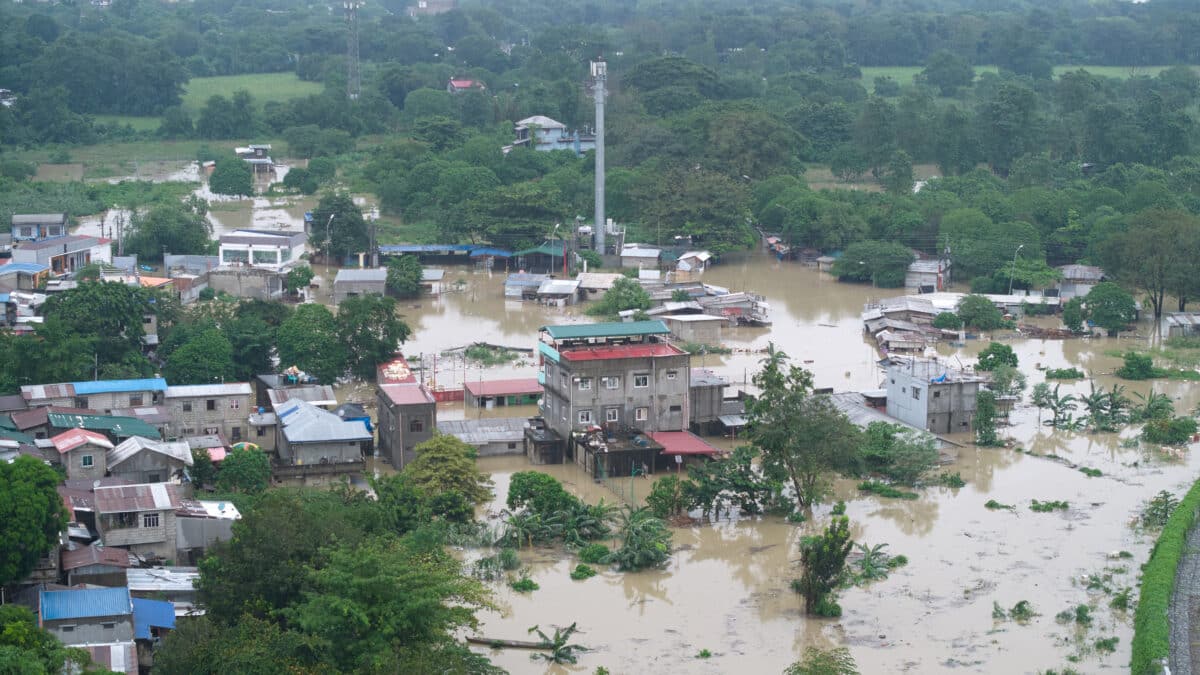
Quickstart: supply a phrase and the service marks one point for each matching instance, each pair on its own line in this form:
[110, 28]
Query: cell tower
[599, 78]
[353, 83]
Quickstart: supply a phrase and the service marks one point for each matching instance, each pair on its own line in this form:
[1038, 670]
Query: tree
[835, 661]
[1073, 314]
[110, 313]
[231, 176]
[540, 492]
[624, 294]
[404, 276]
[202, 472]
[822, 558]
[298, 278]
[341, 222]
[1110, 307]
[977, 311]
[370, 332]
[884, 264]
[445, 463]
[244, 470]
[169, 228]
[252, 646]
[28, 649]
[1007, 380]
[222, 117]
[947, 72]
[995, 355]
[668, 497]
[985, 419]
[896, 452]
[898, 178]
[802, 437]
[309, 340]
[645, 540]
[206, 358]
[31, 516]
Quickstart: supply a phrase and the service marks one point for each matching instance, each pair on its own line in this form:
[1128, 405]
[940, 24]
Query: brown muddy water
[726, 588]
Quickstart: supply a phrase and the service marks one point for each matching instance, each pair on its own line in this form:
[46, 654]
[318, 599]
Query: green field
[138, 123]
[904, 74]
[262, 86]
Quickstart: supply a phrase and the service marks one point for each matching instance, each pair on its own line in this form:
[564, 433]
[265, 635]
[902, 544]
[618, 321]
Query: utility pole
[353, 84]
[599, 79]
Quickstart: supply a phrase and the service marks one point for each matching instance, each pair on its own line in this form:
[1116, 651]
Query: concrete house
[142, 460]
[83, 453]
[544, 134]
[271, 250]
[258, 156]
[706, 397]
[23, 276]
[64, 255]
[613, 375]
[312, 441]
[36, 226]
[140, 517]
[931, 395]
[489, 436]
[407, 417]
[350, 282]
[703, 329]
[87, 616]
[99, 395]
[210, 409]
[495, 393]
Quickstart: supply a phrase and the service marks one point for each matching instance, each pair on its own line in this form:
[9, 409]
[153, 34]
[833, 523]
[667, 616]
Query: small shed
[560, 292]
[684, 447]
[1180, 324]
[494, 393]
[594, 282]
[927, 276]
[1078, 280]
[432, 280]
[523, 286]
[636, 255]
[825, 263]
[704, 329]
[352, 282]
[495, 436]
[98, 565]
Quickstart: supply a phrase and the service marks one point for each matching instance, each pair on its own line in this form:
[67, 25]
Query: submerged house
[495, 393]
[932, 395]
[313, 441]
[544, 134]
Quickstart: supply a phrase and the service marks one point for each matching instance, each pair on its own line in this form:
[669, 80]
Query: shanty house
[139, 517]
[210, 409]
[407, 417]
[523, 286]
[351, 282]
[315, 441]
[1078, 280]
[82, 453]
[142, 460]
[98, 565]
[87, 616]
[1180, 324]
[489, 436]
[494, 393]
[636, 256]
[100, 395]
[432, 279]
[927, 276]
[35, 226]
[558, 292]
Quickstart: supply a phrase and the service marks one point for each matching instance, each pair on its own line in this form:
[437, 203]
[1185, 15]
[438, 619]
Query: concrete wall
[345, 289]
[254, 283]
[148, 466]
[104, 402]
[700, 332]
[941, 408]
[91, 630]
[396, 436]
[158, 540]
[513, 446]
[704, 403]
[73, 462]
[664, 398]
[229, 416]
[311, 453]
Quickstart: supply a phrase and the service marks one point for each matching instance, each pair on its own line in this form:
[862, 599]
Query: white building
[259, 248]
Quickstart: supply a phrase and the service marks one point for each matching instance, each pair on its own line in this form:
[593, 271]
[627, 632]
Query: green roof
[550, 248]
[122, 427]
[14, 435]
[577, 331]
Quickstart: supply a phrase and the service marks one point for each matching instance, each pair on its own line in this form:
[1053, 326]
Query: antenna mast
[599, 79]
[353, 83]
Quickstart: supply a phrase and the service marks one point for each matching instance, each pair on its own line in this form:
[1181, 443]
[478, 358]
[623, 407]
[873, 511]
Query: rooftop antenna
[353, 84]
[599, 79]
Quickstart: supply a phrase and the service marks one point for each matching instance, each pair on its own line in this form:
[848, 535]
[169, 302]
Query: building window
[108, 626]
[67, 629]
[235, 404]
[210, 404]
[640, 414]
[188, 432]
[187, 406]
[260, 431]
[612, 415]
[86, 461]
[212, 430]
[917, 393]
[135, 400]
[937, 394]
[150, 520]
[416, 425]
[671, 374]
[512, 446]
[585, 384]
[563, 379]
[585, 416]
[676, 408]
[612, 382]
[236, 433]
[81, 402]
[153, 478]
[641, 381]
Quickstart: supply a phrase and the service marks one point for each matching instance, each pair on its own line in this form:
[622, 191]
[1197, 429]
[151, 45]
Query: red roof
[73, 438]
[523, 385]
[143, 497]
[216, 454]
[407, 394]
[622, 352]
[396, 371]
[464, 84]
[682, 443]
[95, 555]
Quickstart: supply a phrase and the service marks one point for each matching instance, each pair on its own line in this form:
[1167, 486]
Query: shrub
[1064, 374]
[1151, 630]
[839, 509]
[1139, 367]
[995, 505]
[1159, 510]
[1022, 611]
[952, 480]
[1090, 472]
[1047, 507]
[1174, 431]
[885, 490]
[947, 321]
[1108, 645]
[979, 312]
[582, 572]
[596, 554]
[995, 354]
[524, 585]
[704, 654]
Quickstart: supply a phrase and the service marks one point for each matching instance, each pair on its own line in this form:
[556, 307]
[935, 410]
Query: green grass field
[138, 123]
[904, 74]
[262, 86]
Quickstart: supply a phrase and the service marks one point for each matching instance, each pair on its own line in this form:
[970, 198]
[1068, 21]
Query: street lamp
[563, 241]
[1013, 273]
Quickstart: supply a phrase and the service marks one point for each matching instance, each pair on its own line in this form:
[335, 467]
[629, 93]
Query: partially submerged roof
[597, 281]
[305, 423]
[84, 603]
[353, 275]
[74, 438]
[525, 279]
[432, 274]
[558, 287]
[209, 390]
[577, 331]
[177, 450]
[483, 431]
[683, 443]
[511, 387]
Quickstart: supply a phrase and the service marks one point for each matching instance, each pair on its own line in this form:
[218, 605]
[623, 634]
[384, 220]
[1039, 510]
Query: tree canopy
[31, 516]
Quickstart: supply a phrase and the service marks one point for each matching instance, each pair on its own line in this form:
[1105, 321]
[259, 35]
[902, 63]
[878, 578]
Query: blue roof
[496, 252]
[426, 248]
[116, 386]
[147, 613]
[28, 268]
[4, 297]
[82, 604]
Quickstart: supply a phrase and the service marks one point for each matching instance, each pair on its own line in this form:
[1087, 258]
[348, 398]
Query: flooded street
[727, 586]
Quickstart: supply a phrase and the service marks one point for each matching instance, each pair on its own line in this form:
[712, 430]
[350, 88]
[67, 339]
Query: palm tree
[1096, 404]
[560, 651]
[1061, 406]
[873, 564]
[520, 528]
[1151, 407]
[1118, 405]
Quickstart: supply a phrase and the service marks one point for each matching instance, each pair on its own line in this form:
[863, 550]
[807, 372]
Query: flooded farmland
[727, 586]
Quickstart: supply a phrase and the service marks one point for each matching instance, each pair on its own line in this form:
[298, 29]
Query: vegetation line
[1151, 625]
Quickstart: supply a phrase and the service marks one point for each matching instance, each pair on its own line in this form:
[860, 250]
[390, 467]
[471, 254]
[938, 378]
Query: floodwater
[726, 588]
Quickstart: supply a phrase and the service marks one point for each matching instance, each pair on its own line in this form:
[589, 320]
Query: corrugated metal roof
[609, 329]
[21, 267]
[69, 440]
[432, 274]
[118, 386]
[86, 556]
[407, 394]
[511, 387]
[177, 450]
[151, 613]
[142, 497]
[524, 279]
[682, 443]
[206, 390]
[639, 252]
[305, 423]
[484, 431]
[376, 274]
[162, 579]
[558, 287]
[39, 218]
[122, 427]
[83, 604]
[73, 242]
[493, 252]
[317, 394]
[621, 352]
[597, 281]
